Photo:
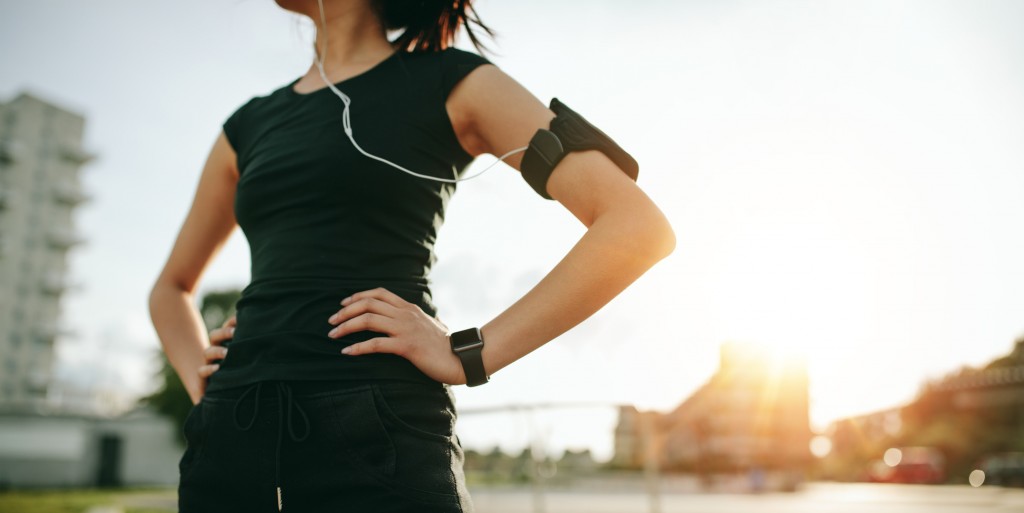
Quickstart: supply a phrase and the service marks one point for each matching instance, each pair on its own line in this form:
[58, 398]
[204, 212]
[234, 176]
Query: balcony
[69, 193]
[11, 151]
[47, 331]
[64, 238]
[56, 283]
[75, 154]
[38, 380]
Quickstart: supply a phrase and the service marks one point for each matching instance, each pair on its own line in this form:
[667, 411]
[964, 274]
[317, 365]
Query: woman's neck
[354, 38]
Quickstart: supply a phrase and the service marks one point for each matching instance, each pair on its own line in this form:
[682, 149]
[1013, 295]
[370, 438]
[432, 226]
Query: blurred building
[42, 441]
[62, 449]
[633, 432]
[966, 416]
[751, 414]
[40, 160]
[864, 432]
[1000, 384]
[857, 443]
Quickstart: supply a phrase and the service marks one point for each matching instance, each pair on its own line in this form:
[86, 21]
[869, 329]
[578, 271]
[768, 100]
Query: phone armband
[568, 132]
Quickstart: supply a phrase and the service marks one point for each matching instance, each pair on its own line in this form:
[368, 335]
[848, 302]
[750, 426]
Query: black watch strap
[468, 345]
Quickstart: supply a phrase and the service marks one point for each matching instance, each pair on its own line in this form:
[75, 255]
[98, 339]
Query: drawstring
[283, 392]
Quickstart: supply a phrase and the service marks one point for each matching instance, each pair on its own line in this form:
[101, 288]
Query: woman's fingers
[361, 306]
[225, 331]
[206, 370]
[364, 322]
[219, 335]
[375, 345]
[380, 293]
[215, 353]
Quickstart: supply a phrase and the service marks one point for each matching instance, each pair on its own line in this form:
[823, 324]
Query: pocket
[421, 421]
[366, 440]
[194, 431]
[401, 435]
[419, 410]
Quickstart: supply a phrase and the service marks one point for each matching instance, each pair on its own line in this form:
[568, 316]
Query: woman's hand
[412, 334]
[216, 351]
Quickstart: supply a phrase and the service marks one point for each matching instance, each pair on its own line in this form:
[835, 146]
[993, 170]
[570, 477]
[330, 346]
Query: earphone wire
[347, 120]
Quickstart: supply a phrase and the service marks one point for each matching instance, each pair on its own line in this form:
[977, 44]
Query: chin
[297, 6]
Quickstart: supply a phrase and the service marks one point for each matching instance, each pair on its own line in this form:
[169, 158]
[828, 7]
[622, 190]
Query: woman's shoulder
[448, 61]
[450, 54]
[449, 66]
[458, 55]
[256, 106]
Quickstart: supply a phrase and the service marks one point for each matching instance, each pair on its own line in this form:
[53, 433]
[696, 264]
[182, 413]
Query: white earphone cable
[347, 121]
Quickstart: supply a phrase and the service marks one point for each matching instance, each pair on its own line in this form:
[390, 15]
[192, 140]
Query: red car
[920, 465]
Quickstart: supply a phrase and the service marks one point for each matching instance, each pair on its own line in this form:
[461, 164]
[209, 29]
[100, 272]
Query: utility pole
[651, 473]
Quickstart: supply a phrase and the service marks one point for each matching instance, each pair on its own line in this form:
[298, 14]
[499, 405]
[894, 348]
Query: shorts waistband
[310, 388]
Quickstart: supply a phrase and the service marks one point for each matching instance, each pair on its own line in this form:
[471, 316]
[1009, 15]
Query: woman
[341, 242]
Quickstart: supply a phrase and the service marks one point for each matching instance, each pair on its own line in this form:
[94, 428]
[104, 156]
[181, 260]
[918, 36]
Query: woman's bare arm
[207, 227]
[626, 235]
[626, 232]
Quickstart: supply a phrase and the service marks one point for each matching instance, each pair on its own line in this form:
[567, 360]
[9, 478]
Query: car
[918, 465]
[1003, 469]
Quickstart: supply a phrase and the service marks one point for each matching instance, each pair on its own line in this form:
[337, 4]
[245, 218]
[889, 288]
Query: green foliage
[79, 500]
[171, 398]
[965, 423]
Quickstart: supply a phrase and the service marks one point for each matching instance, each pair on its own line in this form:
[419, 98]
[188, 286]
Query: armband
[568, 132]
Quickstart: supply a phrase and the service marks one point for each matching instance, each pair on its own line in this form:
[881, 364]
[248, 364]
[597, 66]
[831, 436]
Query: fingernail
[332, 332]
[232, 330]
[346, 300]
[216, 366]
[347, 350]
[330, 319]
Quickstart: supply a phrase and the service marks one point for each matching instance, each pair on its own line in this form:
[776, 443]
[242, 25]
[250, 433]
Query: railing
[64, 238]
[543, 471]
[69, 193]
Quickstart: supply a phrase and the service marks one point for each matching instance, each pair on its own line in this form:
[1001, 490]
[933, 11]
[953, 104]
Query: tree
[170, 398]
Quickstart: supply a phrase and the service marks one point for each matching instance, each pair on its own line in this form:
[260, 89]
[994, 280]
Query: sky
[844, 181]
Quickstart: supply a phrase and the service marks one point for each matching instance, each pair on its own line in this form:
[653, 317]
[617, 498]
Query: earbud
[347, 122]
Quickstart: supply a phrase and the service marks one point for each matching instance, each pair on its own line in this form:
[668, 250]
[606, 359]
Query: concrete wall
[64, 450]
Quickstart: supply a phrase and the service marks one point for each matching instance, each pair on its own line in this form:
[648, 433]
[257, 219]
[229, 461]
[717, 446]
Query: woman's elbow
[651, 237]
[660, 237]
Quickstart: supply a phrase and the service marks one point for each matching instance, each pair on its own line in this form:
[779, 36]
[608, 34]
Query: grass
[79, 500]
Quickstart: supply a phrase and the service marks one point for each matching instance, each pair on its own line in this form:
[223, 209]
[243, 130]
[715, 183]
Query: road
[815, 497]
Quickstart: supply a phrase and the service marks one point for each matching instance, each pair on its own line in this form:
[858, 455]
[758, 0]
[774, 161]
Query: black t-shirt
[324, 221]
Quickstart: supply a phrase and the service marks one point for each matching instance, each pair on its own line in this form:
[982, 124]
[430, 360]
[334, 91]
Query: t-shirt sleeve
[455, 65]
[233, 127]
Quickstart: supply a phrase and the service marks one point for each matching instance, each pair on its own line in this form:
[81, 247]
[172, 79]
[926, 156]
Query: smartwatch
[469, 345]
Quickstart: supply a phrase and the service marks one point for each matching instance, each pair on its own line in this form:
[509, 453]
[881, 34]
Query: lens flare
[893, 457]
[977, 478]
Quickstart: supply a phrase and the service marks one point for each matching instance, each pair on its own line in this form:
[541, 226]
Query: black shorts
[334, 446]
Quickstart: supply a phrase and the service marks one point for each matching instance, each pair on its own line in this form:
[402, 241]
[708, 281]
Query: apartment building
[41, 158]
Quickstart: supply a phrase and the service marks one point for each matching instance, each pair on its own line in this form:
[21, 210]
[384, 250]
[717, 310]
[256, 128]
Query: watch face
[466, 339]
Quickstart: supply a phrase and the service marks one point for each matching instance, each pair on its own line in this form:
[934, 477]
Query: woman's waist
[320, 291]
[342, 282]
[294, 357]
[290, 306]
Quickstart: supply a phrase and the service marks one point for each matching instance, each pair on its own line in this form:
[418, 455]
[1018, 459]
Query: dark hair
[430, 25]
